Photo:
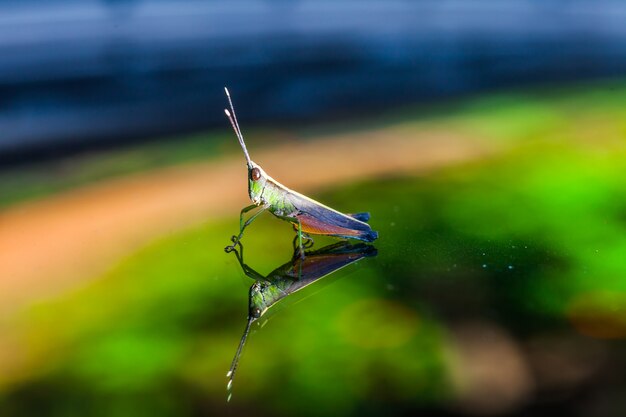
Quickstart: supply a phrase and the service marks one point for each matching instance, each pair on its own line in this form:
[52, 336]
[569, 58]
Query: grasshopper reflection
[291, 277]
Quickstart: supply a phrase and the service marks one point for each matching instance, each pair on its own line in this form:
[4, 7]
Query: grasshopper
[307, 215]
[291, 277]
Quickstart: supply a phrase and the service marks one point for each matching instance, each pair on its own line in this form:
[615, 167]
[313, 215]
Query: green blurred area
[530, 241]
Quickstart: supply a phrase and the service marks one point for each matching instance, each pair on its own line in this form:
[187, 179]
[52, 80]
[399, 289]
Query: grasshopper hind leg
[307, 242]
[299, 250]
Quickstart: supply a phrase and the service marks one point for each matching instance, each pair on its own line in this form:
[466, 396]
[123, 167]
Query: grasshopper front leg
[242, 225]
[246, 269]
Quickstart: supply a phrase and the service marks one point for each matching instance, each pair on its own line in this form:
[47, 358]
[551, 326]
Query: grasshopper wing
[319, 219]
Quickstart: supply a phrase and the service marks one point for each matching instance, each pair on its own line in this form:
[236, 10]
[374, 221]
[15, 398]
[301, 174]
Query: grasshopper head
[258, 305]
[256, 182]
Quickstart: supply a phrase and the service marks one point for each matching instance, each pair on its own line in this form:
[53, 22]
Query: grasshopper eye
[255, 174]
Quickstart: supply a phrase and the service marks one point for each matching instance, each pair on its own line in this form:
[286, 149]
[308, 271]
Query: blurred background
[486, 138]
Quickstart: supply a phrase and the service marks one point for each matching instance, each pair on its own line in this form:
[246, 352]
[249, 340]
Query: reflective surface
[498, 289]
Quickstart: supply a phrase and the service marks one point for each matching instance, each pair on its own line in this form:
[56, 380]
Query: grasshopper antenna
[232, 116]
[233, 367]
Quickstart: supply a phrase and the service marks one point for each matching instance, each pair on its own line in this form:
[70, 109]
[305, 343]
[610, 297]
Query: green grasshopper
[307, 215]
[291, 277]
